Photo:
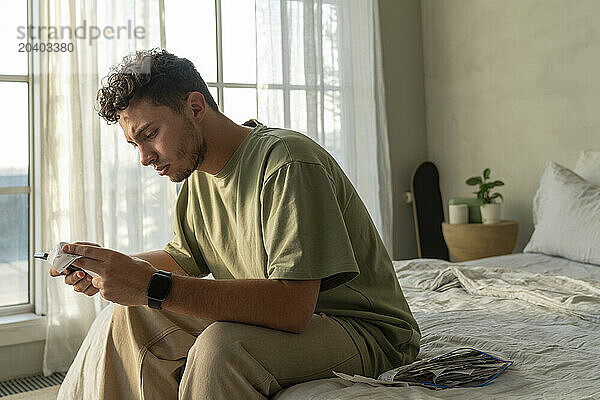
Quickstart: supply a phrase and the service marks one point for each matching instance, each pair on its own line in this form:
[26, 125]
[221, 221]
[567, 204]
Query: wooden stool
[472, 241]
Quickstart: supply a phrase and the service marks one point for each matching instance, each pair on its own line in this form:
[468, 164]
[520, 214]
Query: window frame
[34, 304]
[220, 85]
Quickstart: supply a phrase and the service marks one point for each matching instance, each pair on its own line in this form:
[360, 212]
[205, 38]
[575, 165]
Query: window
[15, 189]
[207, 33]
[219, 37]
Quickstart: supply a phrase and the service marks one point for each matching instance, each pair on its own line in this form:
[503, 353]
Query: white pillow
[566, 215]
[588, 166]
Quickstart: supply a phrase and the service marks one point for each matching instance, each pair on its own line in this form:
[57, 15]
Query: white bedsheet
[517, 315]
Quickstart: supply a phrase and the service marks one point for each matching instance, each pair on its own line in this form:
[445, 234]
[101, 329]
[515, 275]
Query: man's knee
[137, 324]
[219, 362]
[216, 344]
[128, 315]
[120, 315]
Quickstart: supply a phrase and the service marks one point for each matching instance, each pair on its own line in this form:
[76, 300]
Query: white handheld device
[58, 259]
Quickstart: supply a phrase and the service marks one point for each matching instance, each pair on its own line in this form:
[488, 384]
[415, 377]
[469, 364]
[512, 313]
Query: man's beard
[192, 152]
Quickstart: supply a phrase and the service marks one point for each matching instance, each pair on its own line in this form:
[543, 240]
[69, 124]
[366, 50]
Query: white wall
[21, 360]
[508, 85]
[402, 52]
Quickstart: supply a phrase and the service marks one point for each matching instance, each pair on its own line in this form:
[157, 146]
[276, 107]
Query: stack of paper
[464, 367]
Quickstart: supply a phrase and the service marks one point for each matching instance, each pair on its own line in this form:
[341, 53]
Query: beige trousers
[153, 354]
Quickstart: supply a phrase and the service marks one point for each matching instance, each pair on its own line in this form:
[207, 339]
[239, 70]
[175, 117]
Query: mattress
[539, 311]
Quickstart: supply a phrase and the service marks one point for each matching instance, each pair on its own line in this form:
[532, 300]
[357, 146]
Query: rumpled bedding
[547, 323]
[554, 292]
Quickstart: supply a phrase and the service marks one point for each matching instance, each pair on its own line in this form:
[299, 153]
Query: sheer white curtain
[319, 72]
[93, 187]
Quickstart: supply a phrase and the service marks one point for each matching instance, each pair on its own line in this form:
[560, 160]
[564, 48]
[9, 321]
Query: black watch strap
[158, 289]
[156, 304]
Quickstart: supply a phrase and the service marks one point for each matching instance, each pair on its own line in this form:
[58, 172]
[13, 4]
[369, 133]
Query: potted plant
[490, 209]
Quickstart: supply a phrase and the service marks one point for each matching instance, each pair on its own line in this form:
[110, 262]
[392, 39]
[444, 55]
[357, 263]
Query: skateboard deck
[428, 212]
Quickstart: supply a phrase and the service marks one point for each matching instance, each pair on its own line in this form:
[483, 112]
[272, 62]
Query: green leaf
[476, 180]
[486, 173]
[495, 196]
[499, 183]
[480, 195]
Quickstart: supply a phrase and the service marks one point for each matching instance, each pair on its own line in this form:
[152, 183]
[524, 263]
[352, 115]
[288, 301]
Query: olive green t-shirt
[282, 208]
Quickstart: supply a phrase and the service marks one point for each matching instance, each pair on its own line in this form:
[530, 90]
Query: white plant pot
[490, 213]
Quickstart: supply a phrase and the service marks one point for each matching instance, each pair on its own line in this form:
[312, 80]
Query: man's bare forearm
[160, 259]
[278, 304]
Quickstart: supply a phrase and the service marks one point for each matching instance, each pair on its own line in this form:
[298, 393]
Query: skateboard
[428, 212]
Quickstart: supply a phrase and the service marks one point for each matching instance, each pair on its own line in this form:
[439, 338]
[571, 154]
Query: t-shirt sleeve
[303, 227]
[184, 247]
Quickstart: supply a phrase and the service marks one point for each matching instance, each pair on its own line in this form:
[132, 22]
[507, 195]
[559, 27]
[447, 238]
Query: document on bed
[461, 368]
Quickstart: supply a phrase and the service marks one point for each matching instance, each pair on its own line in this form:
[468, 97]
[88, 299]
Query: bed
[540, 309]
[555, 353]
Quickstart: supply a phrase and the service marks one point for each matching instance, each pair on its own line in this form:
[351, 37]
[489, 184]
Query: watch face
[159, 287]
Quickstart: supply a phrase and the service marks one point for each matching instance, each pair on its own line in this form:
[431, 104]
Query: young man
[303, 284]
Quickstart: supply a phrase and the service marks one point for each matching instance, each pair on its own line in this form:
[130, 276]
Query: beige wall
[21, 360]
[508, 85]
[402, 54]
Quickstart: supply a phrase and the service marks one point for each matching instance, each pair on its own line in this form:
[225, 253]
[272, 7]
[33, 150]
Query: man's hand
[80, 281]
[121, 279]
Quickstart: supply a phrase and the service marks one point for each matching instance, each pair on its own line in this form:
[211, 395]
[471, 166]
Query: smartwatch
[158, 289]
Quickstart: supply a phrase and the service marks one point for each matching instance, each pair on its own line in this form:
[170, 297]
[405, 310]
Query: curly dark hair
[155, 75]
